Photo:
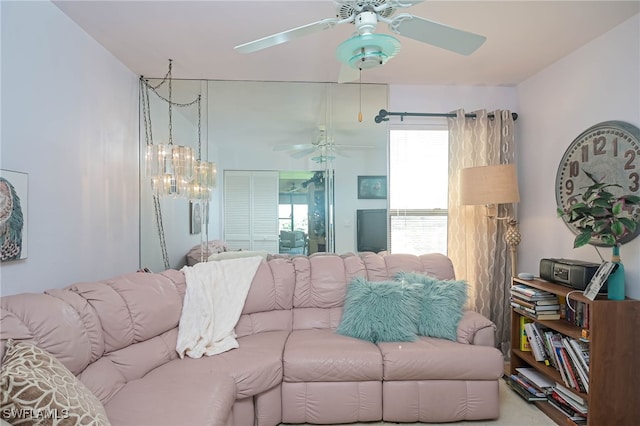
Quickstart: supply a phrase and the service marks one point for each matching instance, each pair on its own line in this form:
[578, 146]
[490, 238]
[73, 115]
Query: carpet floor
[514, 411]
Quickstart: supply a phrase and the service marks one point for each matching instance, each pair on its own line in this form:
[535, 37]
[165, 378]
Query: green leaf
[600, 226]
[631, 199]
[582, 239]
[599, 212]
[628, 223]
[608, 240]
[617, 228]
[617, 208]
[601, 202]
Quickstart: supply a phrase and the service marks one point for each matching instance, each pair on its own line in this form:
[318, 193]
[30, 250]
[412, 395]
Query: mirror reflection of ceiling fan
[323, 148]
[366, 49]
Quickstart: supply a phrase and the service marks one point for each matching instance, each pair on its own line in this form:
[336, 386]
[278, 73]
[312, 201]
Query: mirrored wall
[272, 127]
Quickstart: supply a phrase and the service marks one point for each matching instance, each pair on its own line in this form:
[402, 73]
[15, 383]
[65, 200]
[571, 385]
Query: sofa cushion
[135, 307]
[110, 373]
[431, 358]
[255, 366]
[442, 303]
[173, 396]
[36, 317]
[381, 311]
[34, 381]
[322, 278]
[325, 356]
[380, 268]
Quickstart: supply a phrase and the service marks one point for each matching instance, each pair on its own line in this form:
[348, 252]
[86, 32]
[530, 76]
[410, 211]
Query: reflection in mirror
[303, 215]
[251, 126]
[262, 126]
[176, 232]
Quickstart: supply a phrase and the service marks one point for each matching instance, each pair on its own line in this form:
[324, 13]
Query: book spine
[538, 351]
[533, 391]
[582, 350]
[574, 364]
[524, 341]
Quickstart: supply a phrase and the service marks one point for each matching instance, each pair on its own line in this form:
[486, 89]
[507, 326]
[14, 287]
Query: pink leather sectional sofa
[119, 337]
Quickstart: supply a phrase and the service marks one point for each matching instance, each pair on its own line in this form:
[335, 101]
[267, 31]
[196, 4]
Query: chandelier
[174, 170]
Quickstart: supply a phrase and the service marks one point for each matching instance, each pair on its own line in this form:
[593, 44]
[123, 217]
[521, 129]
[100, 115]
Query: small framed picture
[195, 213]
[372, 187]
[14, 202]
[598, 280]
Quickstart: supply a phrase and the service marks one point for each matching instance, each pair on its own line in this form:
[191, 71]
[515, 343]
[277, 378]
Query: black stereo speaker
[571, 273]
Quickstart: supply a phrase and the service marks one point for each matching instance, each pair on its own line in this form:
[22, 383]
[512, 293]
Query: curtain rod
[383, 115]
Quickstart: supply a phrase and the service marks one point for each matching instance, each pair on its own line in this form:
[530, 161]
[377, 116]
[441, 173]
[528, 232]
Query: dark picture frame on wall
[372, 187]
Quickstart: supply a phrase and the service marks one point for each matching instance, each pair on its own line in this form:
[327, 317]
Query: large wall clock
[608, 152]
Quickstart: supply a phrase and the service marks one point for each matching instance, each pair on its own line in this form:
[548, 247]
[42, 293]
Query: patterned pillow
[36, 388]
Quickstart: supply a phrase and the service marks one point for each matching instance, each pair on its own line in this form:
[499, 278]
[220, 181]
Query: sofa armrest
[476, 329]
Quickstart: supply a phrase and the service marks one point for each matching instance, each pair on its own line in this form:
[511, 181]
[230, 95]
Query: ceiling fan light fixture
[368, 50]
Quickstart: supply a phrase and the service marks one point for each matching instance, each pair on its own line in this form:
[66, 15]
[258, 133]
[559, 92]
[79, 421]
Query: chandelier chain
[146, 111]
[159, 223]
[199, 128]
[170, 106]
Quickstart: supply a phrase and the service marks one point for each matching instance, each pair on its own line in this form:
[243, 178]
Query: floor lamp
[493, 185]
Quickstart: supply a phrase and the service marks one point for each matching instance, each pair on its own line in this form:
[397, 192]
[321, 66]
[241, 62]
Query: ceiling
[523, 37]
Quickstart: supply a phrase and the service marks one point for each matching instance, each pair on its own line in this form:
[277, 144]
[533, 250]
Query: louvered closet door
[251, 210]
[264, 211]
[237, 210]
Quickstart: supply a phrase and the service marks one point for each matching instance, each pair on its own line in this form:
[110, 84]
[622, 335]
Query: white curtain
[476, 243]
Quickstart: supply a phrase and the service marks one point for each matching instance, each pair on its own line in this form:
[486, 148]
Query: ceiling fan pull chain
[360, 106]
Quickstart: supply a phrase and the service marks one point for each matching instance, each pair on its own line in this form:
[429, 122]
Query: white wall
[405, 98]
[69, 120]
[599, 82]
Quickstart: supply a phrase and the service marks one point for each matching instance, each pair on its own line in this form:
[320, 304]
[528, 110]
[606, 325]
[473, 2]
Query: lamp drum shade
[495, 184]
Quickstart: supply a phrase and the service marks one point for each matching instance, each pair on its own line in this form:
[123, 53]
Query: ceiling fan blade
[286, 36]
[354, 147]
[302, 153]
[436, 34]
[296, 147]
[348, 74]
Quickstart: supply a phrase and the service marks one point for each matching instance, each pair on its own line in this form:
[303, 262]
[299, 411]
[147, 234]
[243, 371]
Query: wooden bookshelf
[614, 354]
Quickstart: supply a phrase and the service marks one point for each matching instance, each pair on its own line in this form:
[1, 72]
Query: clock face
[608, 152]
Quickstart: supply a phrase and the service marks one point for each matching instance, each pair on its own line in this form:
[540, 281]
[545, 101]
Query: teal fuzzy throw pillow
[382, 311]
[441, 307]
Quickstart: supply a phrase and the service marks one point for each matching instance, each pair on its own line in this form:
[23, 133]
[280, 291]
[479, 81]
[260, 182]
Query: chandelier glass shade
[175, 170]
[204, 180]
[170, 169]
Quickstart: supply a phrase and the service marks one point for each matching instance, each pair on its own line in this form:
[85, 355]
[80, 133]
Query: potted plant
[601, 215]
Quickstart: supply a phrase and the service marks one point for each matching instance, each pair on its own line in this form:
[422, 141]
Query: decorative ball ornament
[512, 235]
[608, 152]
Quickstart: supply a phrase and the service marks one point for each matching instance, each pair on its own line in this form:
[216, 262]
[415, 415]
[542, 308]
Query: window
[293, 217]
[418, 190]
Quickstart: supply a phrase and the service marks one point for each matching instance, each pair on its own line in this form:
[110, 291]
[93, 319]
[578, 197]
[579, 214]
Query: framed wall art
[372, 187]
[14, 188]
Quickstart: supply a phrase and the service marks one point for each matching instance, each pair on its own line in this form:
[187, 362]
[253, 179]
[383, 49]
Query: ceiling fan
[366, 49]
[323, 146]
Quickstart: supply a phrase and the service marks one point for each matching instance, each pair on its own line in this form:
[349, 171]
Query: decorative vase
[615, 282]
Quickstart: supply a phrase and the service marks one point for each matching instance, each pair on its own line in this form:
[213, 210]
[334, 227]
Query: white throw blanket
[213, 302]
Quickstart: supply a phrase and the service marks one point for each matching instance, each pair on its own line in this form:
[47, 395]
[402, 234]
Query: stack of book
[538, 304]
[531, 385]
[570, 404]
